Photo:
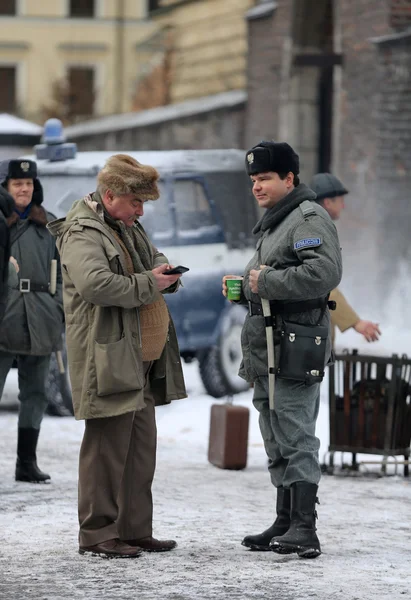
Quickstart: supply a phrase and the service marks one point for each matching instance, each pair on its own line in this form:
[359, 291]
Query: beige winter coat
[344, 316]
[103, 336]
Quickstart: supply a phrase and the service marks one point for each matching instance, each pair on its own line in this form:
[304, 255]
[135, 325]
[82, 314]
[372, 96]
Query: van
[202, 220]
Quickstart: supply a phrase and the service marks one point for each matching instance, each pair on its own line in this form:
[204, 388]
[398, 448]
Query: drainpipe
[119, 57]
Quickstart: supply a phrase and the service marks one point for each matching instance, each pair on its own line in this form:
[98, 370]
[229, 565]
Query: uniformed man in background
[8, 264]
[296, 265]
[33, 318]
[330, 195]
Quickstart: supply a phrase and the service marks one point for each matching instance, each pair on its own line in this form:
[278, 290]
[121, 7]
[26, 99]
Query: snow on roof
[156, 115]
[10, 124]
[89, 163]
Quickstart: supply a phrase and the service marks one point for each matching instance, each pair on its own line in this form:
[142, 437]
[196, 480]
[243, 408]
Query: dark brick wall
[356, 124]
[357, 138]
[393, 161]
[217, 129]
[266, 38]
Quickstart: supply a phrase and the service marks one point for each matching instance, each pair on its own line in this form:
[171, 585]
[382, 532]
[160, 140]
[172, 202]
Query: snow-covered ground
[364, 522]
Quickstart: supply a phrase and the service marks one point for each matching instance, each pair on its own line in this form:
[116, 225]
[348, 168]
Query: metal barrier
[370, 407]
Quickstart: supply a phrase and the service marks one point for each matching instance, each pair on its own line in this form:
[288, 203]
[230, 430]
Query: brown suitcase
[227, 444]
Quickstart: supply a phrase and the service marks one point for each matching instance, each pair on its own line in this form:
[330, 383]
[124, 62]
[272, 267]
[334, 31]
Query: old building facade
[88, 58]
[74, 58]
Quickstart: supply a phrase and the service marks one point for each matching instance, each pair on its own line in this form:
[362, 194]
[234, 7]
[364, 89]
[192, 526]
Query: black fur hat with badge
[19, 168]
[278, 157]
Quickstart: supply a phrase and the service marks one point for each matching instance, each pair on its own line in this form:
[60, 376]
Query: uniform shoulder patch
[308, 243]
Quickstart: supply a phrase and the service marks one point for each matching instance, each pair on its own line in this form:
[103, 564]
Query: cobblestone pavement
[364, 527]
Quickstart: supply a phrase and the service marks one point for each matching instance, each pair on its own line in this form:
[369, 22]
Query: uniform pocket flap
[116, 368]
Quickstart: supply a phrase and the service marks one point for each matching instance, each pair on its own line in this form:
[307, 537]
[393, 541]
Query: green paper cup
[234, 288]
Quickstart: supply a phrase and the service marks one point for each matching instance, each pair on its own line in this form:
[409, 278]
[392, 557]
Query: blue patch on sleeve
[308, 243]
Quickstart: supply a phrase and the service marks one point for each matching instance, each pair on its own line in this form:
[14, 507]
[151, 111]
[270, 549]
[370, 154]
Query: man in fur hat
[330, 194]
[33, 318]
[122, 352]
[296, 265]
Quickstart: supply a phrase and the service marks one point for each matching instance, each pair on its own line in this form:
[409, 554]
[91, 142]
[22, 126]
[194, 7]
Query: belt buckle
[24, 286]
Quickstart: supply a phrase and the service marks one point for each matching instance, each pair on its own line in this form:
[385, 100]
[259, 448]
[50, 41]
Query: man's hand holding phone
[174, 270]
[164, 276]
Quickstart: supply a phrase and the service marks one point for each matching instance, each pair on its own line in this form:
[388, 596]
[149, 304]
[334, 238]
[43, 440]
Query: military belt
[287, 308]
[27, 285]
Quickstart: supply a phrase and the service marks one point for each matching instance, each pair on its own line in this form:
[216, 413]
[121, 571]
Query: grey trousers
[116, 470]
[288, 431]
[32, 375]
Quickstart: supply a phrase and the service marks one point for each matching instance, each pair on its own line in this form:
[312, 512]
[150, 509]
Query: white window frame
[99, 77]
[100, 6]
[21, 90]
[20, 8]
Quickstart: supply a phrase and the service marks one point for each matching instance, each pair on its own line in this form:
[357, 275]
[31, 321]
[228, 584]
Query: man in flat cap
[286, 286]
[330, 194]
[33, 318]
[122, 352]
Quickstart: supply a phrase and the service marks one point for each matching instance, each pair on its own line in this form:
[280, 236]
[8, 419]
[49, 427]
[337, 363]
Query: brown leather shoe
[150, 544]
[111, 549]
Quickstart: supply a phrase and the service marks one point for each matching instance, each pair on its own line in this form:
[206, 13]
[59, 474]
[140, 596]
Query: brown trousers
[116, 470]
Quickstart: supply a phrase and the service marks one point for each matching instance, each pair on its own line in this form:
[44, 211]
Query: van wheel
[58, 390]
[219, 364]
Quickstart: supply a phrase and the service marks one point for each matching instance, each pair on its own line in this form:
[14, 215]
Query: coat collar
[273, 216]
[37, 215]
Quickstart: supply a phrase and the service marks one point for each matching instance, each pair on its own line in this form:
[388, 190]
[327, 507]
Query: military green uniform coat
[103, 338]
[33, 321]
[295, 271]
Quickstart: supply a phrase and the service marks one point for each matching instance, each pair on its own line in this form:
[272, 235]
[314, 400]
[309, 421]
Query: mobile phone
[177, 270]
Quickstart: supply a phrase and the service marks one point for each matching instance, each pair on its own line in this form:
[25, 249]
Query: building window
[82, 8]
[81, 95]
[8, 100]
[8, 7]
[400, 14]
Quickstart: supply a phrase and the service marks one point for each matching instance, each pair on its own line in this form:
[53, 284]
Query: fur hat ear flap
[122, 174]
[37, 193]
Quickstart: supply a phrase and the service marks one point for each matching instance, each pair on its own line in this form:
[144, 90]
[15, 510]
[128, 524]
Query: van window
[157, 219]
[196, 223]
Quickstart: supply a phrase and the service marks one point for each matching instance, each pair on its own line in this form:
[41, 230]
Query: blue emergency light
[54, 146]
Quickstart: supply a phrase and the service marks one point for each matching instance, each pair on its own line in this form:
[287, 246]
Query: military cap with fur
[326, 185]
[278, 157]
[17, 169]
[122, 174]
[21, 168]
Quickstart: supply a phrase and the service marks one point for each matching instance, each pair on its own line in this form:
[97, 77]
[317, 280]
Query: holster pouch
[302, 352]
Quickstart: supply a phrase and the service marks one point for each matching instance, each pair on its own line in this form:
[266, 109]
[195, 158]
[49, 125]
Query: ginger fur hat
[122, 174]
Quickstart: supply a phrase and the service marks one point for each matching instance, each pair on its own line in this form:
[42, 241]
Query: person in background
[330, 195]
[33, 318]
[123, 355]
[8, 264]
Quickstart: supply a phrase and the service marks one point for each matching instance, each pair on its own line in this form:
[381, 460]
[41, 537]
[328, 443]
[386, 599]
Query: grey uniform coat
[33, 321]
[303, 259]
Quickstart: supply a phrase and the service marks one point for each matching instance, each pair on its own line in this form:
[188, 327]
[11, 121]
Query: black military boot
[261, 541]
[26, 465]
[300, 537]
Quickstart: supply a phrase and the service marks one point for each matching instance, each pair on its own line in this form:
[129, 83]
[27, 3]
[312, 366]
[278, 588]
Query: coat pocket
[116, 368]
